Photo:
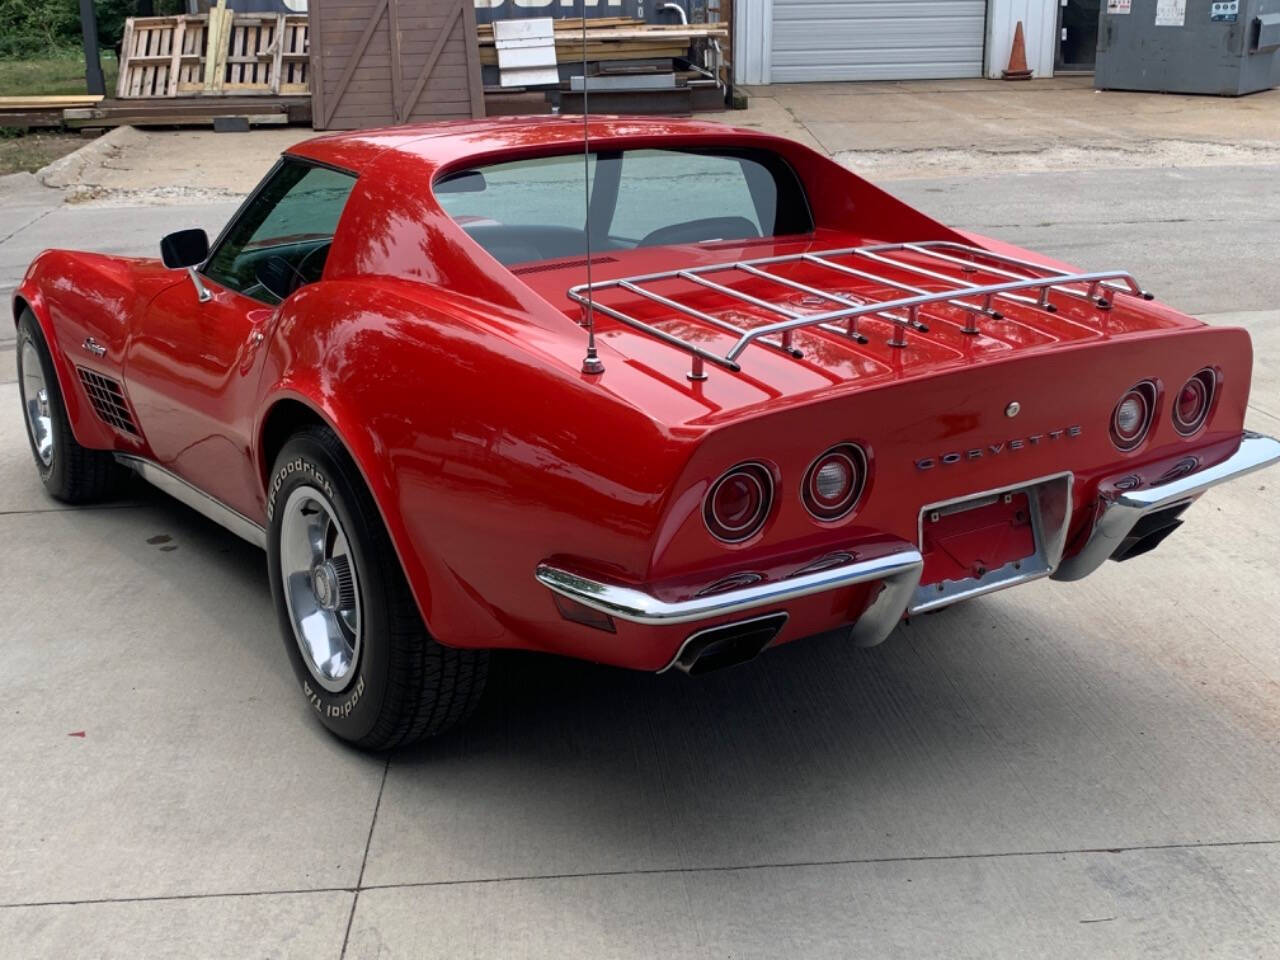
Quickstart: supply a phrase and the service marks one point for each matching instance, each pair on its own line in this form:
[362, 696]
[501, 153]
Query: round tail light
[834, 481]
[738, 503]
[1132, 417]
[1191, 408]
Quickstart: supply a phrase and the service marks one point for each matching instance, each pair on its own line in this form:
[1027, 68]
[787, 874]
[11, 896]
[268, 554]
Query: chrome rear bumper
[899, 570]
[1120, 510]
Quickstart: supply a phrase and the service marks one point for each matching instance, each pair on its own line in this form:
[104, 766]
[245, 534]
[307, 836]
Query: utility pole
[93, 79]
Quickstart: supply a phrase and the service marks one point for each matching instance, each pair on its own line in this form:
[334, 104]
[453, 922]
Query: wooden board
[60, 102]
[642, 34]
[566, 53]
[189, 111]
[617, 38]
[485, 30]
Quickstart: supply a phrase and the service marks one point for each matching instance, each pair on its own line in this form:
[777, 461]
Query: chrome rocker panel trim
[1122, 509]
[900, 572]
[195, 498]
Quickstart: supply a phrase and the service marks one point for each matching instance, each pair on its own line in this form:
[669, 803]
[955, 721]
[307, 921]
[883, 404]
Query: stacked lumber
[26, 113]
[189, 112]
[60, 102]
[614, 38]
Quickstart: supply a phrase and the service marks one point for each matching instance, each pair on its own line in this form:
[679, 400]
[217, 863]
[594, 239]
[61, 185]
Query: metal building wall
[755, 23]
[877, 39]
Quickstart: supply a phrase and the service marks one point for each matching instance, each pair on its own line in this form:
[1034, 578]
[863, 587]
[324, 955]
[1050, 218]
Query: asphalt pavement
[1061, 770]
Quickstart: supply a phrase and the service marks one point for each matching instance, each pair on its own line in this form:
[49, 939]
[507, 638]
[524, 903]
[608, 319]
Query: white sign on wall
[1115, 7]
[1171, 13]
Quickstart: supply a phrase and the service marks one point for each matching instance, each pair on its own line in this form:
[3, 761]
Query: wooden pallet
[267, 54]
[161, 56]
[221, 53]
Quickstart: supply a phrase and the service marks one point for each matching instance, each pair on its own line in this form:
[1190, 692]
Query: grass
[28, 153]
[59, 72]
[51, 74]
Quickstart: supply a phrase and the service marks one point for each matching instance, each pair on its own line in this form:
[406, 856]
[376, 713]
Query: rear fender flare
[429, 578]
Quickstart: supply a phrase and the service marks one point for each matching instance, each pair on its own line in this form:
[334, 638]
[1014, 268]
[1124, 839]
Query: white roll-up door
[877, 39]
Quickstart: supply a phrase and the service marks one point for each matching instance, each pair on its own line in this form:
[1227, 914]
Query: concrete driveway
[1063, 770]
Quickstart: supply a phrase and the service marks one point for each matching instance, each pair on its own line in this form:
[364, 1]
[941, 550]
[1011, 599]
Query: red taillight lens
[1132, 417]
[738, 503]
[834, 481]
[1191, 408]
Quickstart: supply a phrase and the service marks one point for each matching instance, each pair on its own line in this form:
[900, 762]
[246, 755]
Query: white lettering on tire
[296, 465]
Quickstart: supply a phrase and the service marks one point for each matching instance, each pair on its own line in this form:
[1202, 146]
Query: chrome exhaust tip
[1149, 532]
[728, 644]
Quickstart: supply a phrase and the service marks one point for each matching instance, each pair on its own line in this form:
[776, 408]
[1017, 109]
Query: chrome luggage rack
[1017, 279]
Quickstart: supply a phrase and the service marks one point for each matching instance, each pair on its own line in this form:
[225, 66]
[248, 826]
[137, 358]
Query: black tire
[403, 686]
[75, 474]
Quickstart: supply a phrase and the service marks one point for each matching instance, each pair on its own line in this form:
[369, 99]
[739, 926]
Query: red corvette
[665, 401]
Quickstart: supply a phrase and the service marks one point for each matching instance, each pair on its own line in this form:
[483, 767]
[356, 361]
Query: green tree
[37, 28]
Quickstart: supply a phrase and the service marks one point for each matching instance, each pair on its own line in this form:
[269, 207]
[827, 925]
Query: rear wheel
[362, 655]
[68, 471]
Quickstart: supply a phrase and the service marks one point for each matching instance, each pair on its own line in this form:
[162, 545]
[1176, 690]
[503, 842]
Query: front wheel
[362, 655]
[70, 472]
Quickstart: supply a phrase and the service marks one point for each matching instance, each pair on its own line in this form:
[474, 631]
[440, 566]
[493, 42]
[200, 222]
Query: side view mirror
[185, 248]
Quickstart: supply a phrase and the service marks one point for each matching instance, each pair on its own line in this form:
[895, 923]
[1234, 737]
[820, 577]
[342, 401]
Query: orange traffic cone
[1017, 58]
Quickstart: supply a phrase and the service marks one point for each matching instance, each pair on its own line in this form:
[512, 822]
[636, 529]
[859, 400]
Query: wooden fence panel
[384, 62]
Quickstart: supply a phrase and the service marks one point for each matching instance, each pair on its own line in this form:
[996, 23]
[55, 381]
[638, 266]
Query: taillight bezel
[831, 513]
[1149, 393]
[759, 473]
[1208, 380]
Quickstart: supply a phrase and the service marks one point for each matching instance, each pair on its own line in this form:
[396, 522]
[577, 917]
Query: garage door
[877, 39]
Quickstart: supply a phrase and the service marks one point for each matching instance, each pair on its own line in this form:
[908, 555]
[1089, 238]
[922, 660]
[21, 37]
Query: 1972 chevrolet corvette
[804, 408]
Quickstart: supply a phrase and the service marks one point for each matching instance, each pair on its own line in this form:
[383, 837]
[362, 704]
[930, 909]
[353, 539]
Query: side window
[291, 223]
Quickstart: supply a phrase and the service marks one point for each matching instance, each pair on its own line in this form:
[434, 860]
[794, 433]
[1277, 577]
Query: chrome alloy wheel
[321, 588]
[35, 403]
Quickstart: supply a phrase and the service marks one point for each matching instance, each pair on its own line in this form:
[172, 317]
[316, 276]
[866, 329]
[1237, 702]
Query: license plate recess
[991, 540]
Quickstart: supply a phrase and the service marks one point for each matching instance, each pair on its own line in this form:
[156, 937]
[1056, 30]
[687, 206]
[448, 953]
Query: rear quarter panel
[484, 459]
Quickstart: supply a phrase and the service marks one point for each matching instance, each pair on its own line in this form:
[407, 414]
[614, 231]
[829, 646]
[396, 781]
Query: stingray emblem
[996, 449]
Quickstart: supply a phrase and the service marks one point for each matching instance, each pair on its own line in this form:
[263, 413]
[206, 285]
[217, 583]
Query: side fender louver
[108, 400]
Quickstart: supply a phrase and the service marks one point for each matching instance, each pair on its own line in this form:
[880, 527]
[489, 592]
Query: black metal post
[93, 80]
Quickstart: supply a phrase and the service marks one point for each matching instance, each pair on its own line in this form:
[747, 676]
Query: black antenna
[591, 363]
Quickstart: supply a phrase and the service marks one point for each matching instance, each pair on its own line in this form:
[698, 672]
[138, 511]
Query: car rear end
[917, 480]
[863, 414]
